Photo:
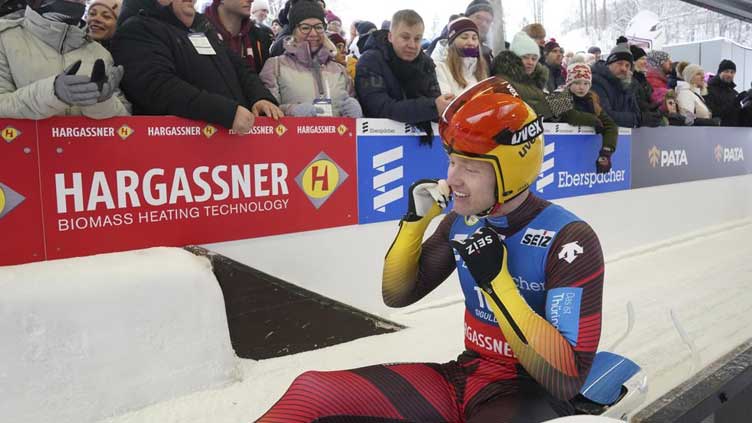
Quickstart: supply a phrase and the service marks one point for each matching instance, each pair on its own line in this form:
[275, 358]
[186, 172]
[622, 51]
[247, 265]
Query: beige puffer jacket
[292, 80]
[33, 51]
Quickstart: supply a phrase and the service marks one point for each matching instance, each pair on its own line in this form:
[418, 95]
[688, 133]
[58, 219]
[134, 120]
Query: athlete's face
[473, 185]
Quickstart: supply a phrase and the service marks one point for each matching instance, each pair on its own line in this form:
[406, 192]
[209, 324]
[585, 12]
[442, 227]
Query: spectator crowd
[234, 62]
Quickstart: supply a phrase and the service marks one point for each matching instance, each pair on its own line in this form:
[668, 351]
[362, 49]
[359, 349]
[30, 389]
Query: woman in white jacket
[459, 64]
[690, 93]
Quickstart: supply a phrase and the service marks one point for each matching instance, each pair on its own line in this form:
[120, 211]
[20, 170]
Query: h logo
[386, 177]
[318, 176]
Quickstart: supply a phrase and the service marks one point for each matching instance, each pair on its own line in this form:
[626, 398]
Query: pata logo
[667, 158]
[728, 155]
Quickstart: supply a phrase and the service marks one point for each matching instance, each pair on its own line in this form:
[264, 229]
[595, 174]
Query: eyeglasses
[306, 29]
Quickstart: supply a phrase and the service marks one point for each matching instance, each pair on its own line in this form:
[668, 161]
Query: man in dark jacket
[722, 95]
[612, 84]
[231, 19]
[553, 57]
[175, 65]
[395, 79]
[650, 116]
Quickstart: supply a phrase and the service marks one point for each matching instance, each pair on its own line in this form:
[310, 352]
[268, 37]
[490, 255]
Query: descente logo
[667, 158]
[728, 155]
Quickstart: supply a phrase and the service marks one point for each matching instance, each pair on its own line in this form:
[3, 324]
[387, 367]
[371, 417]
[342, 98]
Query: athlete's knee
[308, 380]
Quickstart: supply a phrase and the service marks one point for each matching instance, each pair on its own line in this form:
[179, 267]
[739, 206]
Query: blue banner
[387, 166]
[569, 167]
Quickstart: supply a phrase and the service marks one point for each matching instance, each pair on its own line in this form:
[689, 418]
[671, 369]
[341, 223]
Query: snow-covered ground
[704, 280]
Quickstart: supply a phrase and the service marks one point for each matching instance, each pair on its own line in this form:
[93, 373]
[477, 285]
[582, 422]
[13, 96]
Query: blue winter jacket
[617, 100]
[381, 94]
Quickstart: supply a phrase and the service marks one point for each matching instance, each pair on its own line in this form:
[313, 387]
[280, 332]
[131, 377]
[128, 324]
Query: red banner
[137, 182]
[20, 204]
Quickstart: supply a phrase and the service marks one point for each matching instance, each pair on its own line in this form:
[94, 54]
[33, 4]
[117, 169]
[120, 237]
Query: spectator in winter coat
[612, 84]
[234, 27]
[659, 68]
[690, 96]
[520, 66]
[46, 63]
[722, 98]
[306, 80]
[481, 12]
[101, 20]
[650, 116]
[537, 32]
[176, 65]
[278, 47]
[259, 12]
[587, 111]
[670, 108]
[395, 79]
[596, 52]
[276, 27]
[341, 45]
[459, 64]
[553, 57]
[333, 24]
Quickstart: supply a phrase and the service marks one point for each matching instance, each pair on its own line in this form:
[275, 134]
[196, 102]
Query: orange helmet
[491, 123]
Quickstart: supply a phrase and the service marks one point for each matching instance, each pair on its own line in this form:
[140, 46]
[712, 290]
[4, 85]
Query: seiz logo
[476, 245]
[545, 179]
[728, 155]
[667, 158]
[537, 238]
[386, 177]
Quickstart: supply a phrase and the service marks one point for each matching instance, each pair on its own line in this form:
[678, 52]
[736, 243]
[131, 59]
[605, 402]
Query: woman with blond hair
[691, 94]
[459, 63]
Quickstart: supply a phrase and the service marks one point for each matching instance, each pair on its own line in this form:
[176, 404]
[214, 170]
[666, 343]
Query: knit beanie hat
[336, 39]
[331, 17]
[550, 45]
[114, 5]
[364, 27]
[657, 57]
[594, 50]
[476, 6]
[458, 26]
[637, 52]
[535, 30]
[578, 71]
[259, 5]
[305, 9]
[690, 71]
[726, 65]
[620, 52]
[523, 45]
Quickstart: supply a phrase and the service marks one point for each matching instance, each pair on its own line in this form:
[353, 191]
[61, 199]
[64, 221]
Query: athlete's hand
[428, 197]
[484, 253]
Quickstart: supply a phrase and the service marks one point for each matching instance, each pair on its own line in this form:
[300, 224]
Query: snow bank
[87, 338]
